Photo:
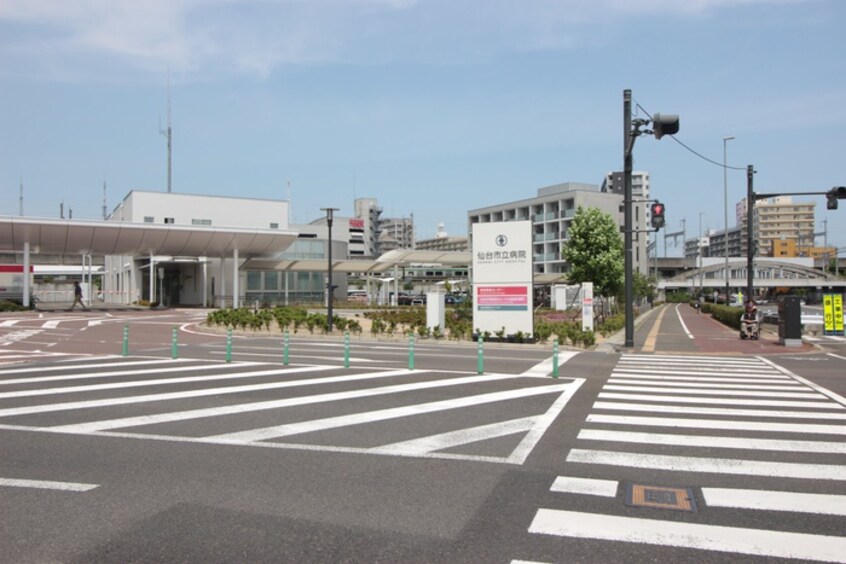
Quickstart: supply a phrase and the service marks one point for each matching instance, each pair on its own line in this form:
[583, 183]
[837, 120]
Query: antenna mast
[104, 199]
[21, 200]
[169, 134]
[289, 203]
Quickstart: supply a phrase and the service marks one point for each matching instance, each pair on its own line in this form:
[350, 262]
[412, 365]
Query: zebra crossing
[305, 407]
[660, 419]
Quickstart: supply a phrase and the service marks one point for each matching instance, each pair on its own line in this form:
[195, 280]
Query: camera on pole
[657, 213]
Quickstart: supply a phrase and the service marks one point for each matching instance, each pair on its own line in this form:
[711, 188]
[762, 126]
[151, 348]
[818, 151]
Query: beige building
[443, 242]
[780, 219]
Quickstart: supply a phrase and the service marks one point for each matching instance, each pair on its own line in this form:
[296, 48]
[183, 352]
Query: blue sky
[433, 107]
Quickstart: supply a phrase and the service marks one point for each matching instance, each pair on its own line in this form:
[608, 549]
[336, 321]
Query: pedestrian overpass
[769, 273]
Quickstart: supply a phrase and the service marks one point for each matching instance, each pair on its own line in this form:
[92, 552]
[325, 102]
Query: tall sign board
[833, 314]
[502, 277]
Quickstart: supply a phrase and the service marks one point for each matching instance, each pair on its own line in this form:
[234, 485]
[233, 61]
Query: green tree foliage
[594, 251]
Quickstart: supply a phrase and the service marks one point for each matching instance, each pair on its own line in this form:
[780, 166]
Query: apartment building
[551, 213]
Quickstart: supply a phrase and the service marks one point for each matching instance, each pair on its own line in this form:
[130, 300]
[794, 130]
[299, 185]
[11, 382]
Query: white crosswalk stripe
[99, 398]
[711, 417]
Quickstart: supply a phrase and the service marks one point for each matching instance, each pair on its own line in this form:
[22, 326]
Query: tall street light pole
[330, 289]
[726, 214]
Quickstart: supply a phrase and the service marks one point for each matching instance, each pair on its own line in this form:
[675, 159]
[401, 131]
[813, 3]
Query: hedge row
[285, 318]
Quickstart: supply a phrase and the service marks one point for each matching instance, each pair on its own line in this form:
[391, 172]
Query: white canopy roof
[61, 236]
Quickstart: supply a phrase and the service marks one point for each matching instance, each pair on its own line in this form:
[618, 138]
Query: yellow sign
[833, 314]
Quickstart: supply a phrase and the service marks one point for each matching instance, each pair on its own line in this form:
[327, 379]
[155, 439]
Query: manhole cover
[657, 497]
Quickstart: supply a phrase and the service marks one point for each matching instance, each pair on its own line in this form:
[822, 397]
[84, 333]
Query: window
[199, 222]
[271, 280]
[168, 220]
[149, 219]
[254, 280]
[274, 226]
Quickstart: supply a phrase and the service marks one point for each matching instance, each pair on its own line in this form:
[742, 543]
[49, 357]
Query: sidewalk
[710, 337]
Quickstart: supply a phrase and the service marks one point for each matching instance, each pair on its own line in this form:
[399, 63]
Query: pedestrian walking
[77, 296]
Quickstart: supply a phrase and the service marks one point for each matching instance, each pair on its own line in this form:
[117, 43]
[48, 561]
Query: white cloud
[258, 36]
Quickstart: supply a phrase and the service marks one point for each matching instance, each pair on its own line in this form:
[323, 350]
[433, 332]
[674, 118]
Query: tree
[594, 251]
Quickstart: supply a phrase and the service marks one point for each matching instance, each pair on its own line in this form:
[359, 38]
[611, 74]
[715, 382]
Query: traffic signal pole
[661, 125]
[750, 251]
[628, 146]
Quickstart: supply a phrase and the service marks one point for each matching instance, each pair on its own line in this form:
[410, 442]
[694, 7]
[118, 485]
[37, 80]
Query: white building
[551, 213]
[196, 278]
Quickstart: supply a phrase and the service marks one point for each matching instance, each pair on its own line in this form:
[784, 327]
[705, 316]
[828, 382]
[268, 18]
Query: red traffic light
[657, 212]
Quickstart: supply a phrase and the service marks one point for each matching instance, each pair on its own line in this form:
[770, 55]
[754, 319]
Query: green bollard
[555, 357]
[346, 349]
[125, 340]
[229, 345]
[411, 351]
[173, 345]
[480, 368]
[285, 349]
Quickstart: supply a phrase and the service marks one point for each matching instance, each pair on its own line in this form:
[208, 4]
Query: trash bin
[790, 321]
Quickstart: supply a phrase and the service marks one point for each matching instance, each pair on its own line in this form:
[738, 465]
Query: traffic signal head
[664, 124]
[657, 213]
[838, 193]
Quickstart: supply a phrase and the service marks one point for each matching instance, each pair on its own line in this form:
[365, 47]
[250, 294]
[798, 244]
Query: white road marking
[8, 322]
[710, 392]
[823, 504]
[718, 424]
[586, 486]
[825, 447]
[278, 356]
[685, 409]
[52, 324]
[689, 535]
[753, 372]
[787, 385]
[684, 326]
[50, 407]
[826, 392]
[270, 404]
[650, 359]
[451, 439]
[709, 465]
[774, 379]
[722, 401]
[301, 427]
[544, 369]
[76, 376]
[142, 383]
[47, 485]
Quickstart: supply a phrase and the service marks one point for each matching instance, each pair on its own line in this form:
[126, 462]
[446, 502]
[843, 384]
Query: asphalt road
[151, 458]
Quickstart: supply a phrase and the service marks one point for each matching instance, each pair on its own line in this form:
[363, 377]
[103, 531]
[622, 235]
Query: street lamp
[726, 213]
[329, 287]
